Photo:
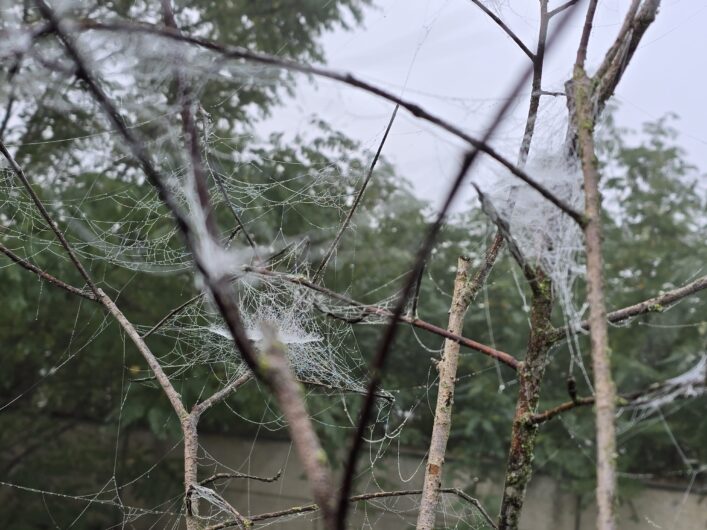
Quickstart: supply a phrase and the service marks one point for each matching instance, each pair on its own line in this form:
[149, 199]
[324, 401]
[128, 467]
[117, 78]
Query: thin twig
[48, 218]
[229, 476]
[175, 311]
[298, 510]
[657, 304]
[501, 24]
[45, 275]
[622, 400]
[561, 8]
[357, 200]
[220, 395]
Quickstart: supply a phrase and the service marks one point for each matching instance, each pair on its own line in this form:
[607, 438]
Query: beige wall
[547, 506]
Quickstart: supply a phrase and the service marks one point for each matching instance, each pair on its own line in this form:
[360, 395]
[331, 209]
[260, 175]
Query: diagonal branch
[657, 304]
[48, 218]
[559, 9]
[232, 52]
[220, 395]
[501, 356]
[45, 275]
[617, 58]
[501, 24]
[357, 200]
[169, 315]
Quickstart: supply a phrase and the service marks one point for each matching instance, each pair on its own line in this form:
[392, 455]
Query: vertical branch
[447, 368]
[524, 431]
[189, 424]
[535, 92]
[464, 293]
[604, 389]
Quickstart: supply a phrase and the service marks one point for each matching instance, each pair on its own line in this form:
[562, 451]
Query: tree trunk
[447, 368]
[530, 373]
[604, 390]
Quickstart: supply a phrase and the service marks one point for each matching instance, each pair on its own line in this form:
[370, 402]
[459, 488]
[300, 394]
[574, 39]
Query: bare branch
[222, 394]
[465, 290]
[229, 476]
[501, 24]
[681, 388]
[348, 79]
[47, 218]
[45, 275]
[536, 85]
[582, 114]
[657, 304]
[619, 55]
[152, 362]
[169, 315]
[586, 33]
[447, 369]
[547, 415]
[357, 200]
[559, 9]
[297, 510]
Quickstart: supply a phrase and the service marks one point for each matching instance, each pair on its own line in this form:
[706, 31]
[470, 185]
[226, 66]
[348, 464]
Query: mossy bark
[519, 468]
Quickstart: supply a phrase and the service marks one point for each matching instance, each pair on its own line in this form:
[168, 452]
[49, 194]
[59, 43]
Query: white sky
[449, 57]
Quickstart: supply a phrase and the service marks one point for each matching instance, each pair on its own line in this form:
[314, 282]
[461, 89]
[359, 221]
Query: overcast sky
[449, 57]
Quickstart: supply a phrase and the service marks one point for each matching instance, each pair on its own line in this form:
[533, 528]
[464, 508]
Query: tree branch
[501, 356]
[617, 58]
[637, 398]
[278, 375]
[559, 9]
[220, 395]
[657, 304]
[169, 315]
[501, 24]
[605, 390]
[229, 476]
[447, 369]
[48, 218]
[357, 200]
[298, 510]
[45, 275]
